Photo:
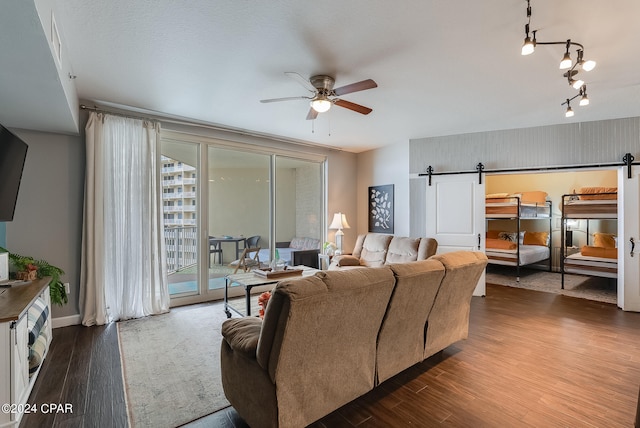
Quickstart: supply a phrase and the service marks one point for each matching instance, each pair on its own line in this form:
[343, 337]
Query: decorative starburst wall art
[381, 209]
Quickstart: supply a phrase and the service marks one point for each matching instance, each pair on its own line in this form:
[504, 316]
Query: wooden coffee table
[249, 280]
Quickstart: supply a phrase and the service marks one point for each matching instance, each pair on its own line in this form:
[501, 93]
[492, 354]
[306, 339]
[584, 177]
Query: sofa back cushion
[357, 249]
[427, 248]
[402, 250]
[318, 339]
[305, 243]
[401, 340]
[374, 249]
[448, 320]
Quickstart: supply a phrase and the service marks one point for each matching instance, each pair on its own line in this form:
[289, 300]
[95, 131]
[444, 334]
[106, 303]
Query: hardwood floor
[532, 359]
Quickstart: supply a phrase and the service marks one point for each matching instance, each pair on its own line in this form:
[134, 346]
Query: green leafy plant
[56, 287]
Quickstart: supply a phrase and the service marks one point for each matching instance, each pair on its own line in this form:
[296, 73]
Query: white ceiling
[442, 66]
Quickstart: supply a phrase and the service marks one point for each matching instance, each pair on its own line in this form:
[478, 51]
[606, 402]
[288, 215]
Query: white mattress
[591, 208]
[587, 265]
[527, 209]
[528, 254]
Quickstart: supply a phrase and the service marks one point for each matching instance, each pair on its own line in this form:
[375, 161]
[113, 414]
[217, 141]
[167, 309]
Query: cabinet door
[19, 361]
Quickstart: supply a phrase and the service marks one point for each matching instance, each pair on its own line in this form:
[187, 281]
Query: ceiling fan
[324, 95]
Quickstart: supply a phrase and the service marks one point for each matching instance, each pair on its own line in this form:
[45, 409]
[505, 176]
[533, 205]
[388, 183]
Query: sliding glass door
[180, 164]
[298, 205]
[220, 198]
[238, 201]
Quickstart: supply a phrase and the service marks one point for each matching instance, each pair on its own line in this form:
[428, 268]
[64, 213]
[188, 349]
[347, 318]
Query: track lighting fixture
[566, 63]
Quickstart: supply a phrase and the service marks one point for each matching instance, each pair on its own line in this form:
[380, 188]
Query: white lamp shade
[339, 222]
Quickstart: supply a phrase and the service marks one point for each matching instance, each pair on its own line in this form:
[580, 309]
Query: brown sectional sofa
[329, 338]
[378, 249]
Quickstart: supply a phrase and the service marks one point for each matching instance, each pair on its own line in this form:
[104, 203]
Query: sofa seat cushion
[402, 250]
[374, 249]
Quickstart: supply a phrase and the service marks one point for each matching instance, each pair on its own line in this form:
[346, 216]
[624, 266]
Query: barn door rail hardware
[627, 160]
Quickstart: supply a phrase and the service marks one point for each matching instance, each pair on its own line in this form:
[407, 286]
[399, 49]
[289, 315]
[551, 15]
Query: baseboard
[66, 321]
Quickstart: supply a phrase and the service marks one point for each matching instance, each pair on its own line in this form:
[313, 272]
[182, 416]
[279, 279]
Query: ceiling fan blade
[355, 87]
[353, 106]
[304, 82]
[274, 100]
[312, 114]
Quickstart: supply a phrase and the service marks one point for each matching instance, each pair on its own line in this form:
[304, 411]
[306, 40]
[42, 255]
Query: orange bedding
[531, 197]
[607, 253]
[593, 193]
[500, 244]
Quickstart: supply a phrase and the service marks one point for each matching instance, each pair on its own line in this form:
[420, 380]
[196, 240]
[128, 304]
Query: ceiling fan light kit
[566, 63]
[324, 95]
[321, 105]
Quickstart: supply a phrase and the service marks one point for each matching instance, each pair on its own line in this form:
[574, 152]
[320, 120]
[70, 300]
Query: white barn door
[455, 215]
[628, 230]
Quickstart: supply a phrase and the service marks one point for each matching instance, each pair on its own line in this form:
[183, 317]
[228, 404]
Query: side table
[324, 260]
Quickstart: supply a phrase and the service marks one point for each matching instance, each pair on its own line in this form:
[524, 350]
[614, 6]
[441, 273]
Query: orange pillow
[607, 253]
[595, 190]
[534, 196]
[500, 244]
[536, 238]
[605, 240]
[493, 234]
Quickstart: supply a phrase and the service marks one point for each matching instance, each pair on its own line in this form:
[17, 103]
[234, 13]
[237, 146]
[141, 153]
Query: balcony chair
[215, 248]
[248, 260]
[252, 241]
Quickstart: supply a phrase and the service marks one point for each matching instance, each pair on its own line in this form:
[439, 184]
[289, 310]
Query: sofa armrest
[345, 260]
[242, 335]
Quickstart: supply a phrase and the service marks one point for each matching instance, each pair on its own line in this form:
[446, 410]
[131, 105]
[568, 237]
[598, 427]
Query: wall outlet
[67, 288]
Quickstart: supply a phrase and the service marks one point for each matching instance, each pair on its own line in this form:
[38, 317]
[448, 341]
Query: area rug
[580, 286]
[171, 366]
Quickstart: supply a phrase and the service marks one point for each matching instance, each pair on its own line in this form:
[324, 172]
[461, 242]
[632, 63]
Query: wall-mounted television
[13, 152]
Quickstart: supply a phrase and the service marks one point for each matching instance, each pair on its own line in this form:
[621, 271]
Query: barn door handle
[633, 245]
[479, 241]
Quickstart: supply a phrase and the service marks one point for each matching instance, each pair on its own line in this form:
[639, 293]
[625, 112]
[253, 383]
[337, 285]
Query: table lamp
[339, 222]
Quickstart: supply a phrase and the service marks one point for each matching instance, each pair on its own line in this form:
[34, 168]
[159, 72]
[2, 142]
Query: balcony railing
[181, 245]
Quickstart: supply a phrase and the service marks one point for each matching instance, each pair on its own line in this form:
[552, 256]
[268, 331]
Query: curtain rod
[162, 117]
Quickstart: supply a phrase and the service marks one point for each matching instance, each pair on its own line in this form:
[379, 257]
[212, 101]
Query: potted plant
[27, 268]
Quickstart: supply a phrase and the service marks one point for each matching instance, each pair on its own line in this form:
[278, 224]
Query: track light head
[584, 100]
[577, 84]
[588, 65]
[528, 47]
[569, 112]
[566, 59]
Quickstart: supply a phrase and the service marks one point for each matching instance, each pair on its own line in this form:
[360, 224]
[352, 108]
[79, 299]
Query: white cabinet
[15, 384]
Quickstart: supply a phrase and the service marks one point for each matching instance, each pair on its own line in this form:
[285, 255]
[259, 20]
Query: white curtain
[123, 272]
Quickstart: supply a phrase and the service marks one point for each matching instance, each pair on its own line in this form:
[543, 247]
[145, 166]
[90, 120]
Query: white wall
[387, 165]
[342, 176]
[48, 218]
